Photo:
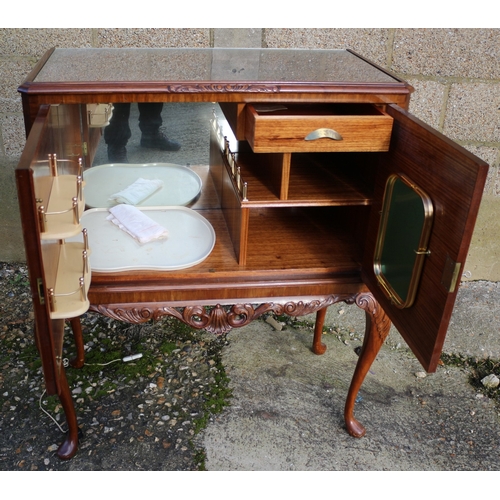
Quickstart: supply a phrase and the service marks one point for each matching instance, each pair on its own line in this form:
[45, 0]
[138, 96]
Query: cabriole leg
[70, 445]
[377, 329]
[318, 346]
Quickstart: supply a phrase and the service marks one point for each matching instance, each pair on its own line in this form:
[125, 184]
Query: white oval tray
[191, 240]
[181, 185]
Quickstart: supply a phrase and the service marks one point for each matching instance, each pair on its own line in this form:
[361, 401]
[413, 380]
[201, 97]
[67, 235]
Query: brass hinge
[85, 149]
[41, 296]
[451, 274]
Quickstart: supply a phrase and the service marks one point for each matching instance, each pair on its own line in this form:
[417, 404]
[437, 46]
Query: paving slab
[287, 408]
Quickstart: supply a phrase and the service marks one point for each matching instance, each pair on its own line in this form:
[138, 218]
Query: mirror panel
[402, 240]
[134, 127]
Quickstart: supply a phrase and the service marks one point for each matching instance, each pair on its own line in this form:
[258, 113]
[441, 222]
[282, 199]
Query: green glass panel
[403, 236]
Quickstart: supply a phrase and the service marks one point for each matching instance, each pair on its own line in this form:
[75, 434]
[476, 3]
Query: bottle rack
[60, 200]
[99, 115]
[60, 203]
[229, 156]
[68, 287]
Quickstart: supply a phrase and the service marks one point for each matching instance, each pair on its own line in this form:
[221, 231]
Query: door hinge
[41, 295]
[451, 274]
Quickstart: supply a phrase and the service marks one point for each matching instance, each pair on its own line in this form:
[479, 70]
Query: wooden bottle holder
[59, 213]
[68, 286]
[60, 203]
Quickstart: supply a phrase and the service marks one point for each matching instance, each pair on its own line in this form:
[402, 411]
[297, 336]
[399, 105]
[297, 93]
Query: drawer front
[317, 128]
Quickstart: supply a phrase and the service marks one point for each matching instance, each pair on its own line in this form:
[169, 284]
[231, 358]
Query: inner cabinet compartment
[285, 211]
[322, 239]
[306, 178]
[317, 127]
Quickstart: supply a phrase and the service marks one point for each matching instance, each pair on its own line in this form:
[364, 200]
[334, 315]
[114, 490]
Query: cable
[126, 359]
[48, 414]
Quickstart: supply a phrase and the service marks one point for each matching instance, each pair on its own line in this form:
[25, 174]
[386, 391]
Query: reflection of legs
[117, 133]
[150, 122]
[150, 117]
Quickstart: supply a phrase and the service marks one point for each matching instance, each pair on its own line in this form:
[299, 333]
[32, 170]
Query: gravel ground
[140, 415]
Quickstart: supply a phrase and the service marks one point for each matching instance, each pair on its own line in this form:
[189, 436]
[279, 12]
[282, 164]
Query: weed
[20, 279]
[478, 369]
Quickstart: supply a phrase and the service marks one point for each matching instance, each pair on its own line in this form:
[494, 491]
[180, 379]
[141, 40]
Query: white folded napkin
[137, 192]
[131, 220]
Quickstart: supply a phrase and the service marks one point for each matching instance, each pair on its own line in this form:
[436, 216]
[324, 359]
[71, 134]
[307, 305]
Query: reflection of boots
[117, 154]
[158, 140]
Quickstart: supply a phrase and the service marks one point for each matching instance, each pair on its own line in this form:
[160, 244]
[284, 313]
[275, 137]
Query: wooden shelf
[312, 181]
[59, 198]
[67, 278]
[61, 213]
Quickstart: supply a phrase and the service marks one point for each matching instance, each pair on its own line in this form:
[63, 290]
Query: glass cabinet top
[209, 65]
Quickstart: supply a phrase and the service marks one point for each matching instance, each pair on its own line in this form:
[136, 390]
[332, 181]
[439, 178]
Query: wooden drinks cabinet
[319, 185]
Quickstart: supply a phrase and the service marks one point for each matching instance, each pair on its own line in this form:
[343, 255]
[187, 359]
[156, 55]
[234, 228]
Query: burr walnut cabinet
[319, 185]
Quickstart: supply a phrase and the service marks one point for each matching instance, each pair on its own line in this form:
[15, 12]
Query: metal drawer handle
[323, 132]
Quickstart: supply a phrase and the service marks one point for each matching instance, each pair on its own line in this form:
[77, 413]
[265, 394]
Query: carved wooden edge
[216, 319]
[377, 320]
[189, 88]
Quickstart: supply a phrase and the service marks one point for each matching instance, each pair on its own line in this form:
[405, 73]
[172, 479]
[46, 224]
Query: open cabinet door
[37, 146]
[49, 181]
[56, 131]
[450, 180]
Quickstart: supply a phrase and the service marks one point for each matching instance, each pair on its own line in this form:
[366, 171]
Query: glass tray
[191, 240]
[181, 185]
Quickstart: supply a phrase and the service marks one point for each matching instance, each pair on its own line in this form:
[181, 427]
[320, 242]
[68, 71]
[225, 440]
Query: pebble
[490, 381]
[275, 324]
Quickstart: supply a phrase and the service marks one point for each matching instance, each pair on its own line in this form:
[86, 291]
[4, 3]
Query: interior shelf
[60, 217]
[67, 278]
[60, 200]
[333, 180]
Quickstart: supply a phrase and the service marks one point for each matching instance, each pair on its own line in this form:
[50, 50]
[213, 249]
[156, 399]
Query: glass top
[210, 65]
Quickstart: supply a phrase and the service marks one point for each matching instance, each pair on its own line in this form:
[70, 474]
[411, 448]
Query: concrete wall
[455, 72]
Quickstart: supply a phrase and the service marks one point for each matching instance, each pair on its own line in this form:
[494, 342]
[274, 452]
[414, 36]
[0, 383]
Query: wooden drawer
[317, 128]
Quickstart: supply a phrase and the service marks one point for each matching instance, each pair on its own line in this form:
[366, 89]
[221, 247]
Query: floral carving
[218, 319]
[376, 316]
[220, 88]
